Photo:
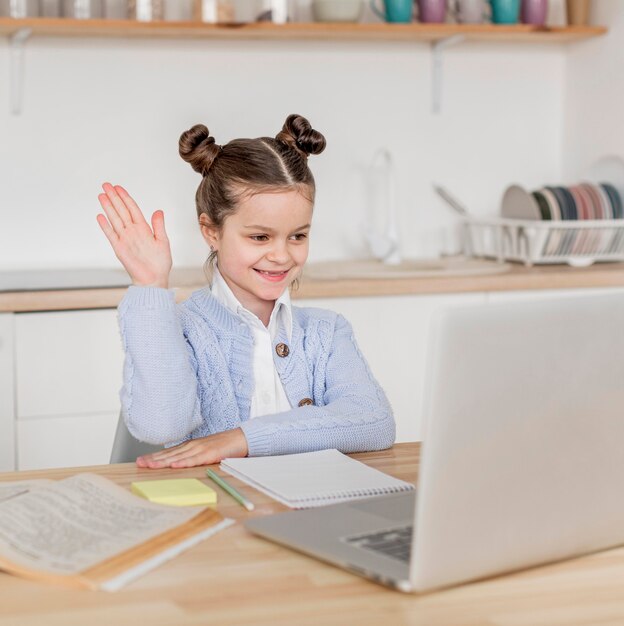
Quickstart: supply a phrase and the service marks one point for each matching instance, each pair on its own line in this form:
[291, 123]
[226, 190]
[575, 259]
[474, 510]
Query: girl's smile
[262, 247]
[272, 276]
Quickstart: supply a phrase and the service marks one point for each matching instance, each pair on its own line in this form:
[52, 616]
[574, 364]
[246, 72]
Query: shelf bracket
[438, 48]
[16, 60]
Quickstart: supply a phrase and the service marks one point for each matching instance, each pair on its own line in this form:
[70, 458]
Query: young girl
[236, 370]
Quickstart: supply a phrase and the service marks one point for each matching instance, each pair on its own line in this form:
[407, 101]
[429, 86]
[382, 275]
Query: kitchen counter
[186, 280]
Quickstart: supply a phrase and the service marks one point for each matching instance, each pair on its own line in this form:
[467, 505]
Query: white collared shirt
[268, 396]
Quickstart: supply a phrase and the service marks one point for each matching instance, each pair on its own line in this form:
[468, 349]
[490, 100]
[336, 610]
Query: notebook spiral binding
[356, 493]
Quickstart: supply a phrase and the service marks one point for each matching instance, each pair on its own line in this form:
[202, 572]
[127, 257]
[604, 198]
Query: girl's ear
[209, 231]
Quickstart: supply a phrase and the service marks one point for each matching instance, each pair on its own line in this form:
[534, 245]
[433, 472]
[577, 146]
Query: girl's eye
[259, 237]
[300, 236]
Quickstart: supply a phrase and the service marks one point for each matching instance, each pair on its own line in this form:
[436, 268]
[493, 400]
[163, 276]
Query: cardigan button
[282, 350]
[306, 402]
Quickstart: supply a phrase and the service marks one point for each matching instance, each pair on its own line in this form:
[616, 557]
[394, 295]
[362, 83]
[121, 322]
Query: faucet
[385, 247]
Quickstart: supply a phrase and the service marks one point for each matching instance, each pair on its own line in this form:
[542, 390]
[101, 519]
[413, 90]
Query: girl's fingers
[111, 213]
[160, 464]
[156, 457]
[173, 458]
[188, 454]
[158, 226]
[185, 457]
[156, 464]
[146, 462]
[167, 453]
[108, 229]
[118, 203]
[133, 208]
[191, 461]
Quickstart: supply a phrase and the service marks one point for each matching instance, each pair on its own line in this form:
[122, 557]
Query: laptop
[522, 460]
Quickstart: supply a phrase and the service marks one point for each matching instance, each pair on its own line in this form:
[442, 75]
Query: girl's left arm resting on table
[201, 451]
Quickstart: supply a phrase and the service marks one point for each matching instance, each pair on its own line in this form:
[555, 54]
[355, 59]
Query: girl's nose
[278, 252]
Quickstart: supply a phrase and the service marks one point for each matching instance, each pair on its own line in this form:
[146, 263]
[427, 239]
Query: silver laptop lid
[523, 456]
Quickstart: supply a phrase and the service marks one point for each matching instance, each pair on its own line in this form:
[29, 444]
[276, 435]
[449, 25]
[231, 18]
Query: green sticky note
[175, 491]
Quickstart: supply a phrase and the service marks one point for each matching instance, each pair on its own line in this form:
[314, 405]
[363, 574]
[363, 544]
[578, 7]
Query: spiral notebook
[313, 479]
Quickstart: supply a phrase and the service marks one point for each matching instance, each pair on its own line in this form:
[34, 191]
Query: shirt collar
[281, 314]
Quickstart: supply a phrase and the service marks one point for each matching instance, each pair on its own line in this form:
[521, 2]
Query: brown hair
[248, 166]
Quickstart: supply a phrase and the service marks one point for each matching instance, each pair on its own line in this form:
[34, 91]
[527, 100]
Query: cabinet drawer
[66, 441]
[67, 362]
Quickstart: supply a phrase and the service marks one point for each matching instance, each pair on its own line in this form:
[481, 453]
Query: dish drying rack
[578, 243]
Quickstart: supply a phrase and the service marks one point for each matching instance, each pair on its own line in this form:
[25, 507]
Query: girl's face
[262, 247]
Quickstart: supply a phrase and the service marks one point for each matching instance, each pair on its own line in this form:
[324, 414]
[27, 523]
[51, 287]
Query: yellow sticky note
[175, 491]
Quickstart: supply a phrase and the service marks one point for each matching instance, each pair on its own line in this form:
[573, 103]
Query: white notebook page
[313, 478]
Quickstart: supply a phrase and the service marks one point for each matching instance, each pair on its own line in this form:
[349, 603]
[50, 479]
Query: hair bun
[299, 135]
[198, 148]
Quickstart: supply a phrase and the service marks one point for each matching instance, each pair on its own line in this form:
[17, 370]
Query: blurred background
[112, 109]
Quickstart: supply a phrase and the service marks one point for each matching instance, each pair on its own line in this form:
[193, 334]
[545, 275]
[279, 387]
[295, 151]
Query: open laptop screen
[523, 456]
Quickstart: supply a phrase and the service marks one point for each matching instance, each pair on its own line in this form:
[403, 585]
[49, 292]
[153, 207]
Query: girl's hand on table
[143, 251]
[204, 451]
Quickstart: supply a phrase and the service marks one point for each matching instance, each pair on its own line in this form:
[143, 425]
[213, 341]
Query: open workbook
[85, 531]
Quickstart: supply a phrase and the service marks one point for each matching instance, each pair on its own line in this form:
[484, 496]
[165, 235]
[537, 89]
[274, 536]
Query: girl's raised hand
[143, 251]
[203, 451]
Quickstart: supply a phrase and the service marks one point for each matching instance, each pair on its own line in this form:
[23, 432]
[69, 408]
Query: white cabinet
[67, 363]
[7, 410]
[392, 333]
[68, 371]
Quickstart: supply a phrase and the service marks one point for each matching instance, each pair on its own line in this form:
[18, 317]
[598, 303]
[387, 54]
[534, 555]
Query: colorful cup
[578, 12]
[395, 11]
[432, 11]
[534, 12]
[505, 11]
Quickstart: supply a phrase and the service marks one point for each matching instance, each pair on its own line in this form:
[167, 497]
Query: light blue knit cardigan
[188, 373]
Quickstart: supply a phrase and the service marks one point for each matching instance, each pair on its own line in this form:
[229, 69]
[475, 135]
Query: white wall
[101, 109]
[594, 94]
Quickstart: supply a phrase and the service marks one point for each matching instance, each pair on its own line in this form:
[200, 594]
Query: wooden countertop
[236, 578]
[186, 280]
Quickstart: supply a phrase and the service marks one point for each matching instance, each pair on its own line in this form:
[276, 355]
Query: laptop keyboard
[395, 543]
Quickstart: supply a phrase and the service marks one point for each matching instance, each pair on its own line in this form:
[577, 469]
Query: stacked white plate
[577, 224]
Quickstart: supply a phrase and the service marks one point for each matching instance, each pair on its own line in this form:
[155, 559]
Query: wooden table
[236, 578]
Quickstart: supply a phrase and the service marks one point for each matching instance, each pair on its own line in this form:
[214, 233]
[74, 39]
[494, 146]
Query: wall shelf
[63, 27]
[439, 36]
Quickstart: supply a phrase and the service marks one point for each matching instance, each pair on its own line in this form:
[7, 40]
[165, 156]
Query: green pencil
[241, 499]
